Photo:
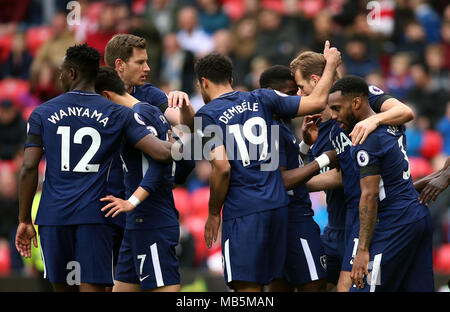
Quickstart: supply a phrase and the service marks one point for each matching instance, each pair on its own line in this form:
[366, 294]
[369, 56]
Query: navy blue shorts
[77, 253]
[401, 259]
[254, 246]
[117, 236]
[147, 257]
[334, 246]
[305, 258]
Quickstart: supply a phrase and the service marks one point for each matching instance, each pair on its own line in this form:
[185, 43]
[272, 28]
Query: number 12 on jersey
[83, 165]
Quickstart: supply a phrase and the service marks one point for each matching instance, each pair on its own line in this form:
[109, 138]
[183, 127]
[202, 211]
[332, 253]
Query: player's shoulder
[150, 112]
[149, 90]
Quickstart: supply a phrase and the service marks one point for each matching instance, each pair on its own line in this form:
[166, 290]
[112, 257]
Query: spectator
[19, 60]
[377, 79]
[357, 59]
[444, 128]
[440, 78]
[46, 86]
[399, 82]
[190, 35]
[12, 130]
[257, 66]
[243, 42]
[428, 18]
[428, 101]
[414, 40]
[445, 43]
[105, 30]
[53, 51]
[200, 176]
[277, 41]
[177, 65]
[162, 14]
[211, 16]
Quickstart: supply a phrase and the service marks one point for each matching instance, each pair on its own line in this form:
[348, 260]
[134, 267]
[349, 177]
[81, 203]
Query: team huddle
[109, 142]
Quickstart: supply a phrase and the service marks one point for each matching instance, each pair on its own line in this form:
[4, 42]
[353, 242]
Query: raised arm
[331, 179]
[157, 149]
[317, 100]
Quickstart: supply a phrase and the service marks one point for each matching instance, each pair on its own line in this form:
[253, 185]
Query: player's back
[398, 199]
[245, 121]
[80, 133]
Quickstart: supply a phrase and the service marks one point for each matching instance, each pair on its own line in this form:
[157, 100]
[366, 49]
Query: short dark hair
[275, 77]
[215, 67]
[121, 46]
[85, 59]
[351, 86]
[109, 80]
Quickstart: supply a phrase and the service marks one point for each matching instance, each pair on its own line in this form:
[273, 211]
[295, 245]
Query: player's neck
[83, 86]
[366, 113]
[126, 100]
[219, 90]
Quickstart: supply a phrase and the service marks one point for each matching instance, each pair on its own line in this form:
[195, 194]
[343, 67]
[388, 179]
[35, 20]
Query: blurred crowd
[401, 46]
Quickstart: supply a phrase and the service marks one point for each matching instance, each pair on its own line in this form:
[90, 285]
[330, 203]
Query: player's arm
[28, 181]
[157, 149]
[119, 205]
[219, 184]
[181, 112]
[331, 179]
[368, 207]
[298, 176]
[435, 185]
[392, 112]
[317, 100]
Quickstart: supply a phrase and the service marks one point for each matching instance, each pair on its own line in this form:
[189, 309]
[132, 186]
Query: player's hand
[211, 229]
[360, 268]
[116, 205]
[333, 157]
[431, 191]
[178, 99]
[24, 235]
[332, 55]
[363, 128]
[310, 128]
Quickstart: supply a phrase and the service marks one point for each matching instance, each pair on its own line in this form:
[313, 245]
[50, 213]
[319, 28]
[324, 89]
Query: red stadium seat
[443, 259]
[14, 89]
[182, 201]
[432, 143]
[196, 227]
[5, 260]
[5, 46]
[419, 167]
[36, 36]
[200, 202]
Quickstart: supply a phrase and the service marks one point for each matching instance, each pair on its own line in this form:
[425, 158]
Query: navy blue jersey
[158, 210]
[80, 132]
[290, 157]
[342, 143]
[244, 121]
[335, 197]
[384, 151]
[150, 94]
[115, 185]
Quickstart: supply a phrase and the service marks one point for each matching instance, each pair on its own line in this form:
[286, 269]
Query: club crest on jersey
[152, 130]
[375, 90]
[363, 158]
[138, 119]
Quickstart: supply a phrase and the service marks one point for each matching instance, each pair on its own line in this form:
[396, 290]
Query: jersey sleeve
[156, 97]
[283, 105]
[367, 156]
[34, 131]
[376, 98]
[135, 128]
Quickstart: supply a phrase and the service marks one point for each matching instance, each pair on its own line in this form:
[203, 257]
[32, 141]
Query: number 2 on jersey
[83, 165]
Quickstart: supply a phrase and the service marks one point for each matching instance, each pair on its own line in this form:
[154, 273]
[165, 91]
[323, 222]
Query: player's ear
[356, 103]
[315, 78]
[231, 81]
[204, 82]
[106, 94]
[119, 64]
